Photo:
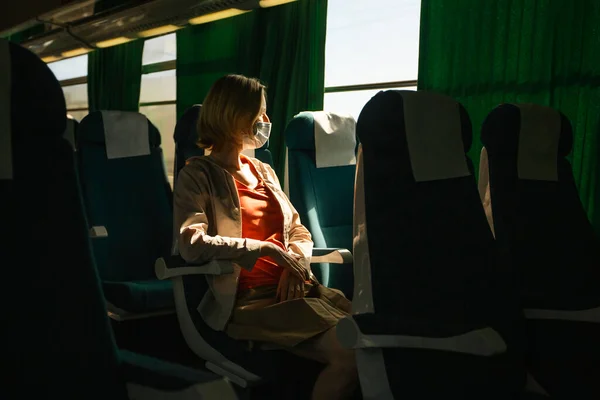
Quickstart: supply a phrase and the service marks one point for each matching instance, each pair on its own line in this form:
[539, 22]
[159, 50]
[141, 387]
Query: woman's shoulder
[199, 167]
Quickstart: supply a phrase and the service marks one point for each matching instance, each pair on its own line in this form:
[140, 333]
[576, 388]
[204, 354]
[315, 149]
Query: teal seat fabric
[139, 296]
[131, 197]
[323, 197]
[264, 154]
[57, 338]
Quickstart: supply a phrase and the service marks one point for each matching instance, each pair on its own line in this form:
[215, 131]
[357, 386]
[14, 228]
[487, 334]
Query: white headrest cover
[538, 143]
[6, 166]
[70, 132]
[433, 133]
[125, 134]
[335, 139]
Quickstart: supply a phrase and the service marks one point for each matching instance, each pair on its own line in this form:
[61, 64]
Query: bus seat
[321, 167]
[57, 337]
[243, 363]
[426, 320]
[71, 131]
[185, 138]
[539, 220]
[125, 190]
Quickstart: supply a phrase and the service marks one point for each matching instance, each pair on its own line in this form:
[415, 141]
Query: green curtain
[540, 51]
[208, 51]
[283, 46]
[115, 77]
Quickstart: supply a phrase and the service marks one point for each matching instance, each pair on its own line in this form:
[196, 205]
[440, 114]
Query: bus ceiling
[58, 29]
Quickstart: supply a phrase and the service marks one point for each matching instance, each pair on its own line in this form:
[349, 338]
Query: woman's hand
[289, 262]
[290, 287]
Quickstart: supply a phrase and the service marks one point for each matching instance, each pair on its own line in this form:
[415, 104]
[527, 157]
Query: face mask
[259, 136]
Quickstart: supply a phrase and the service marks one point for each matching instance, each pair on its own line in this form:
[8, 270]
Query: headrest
[27, 87]
[124, 133]
[435, 131]
[536, 136]
[186, 128]
[332, 137]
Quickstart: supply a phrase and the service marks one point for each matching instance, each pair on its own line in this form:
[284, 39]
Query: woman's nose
[265, 118]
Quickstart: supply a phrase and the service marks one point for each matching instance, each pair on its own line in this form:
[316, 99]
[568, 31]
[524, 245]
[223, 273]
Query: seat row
[425, 201]
[458, 288]
[441, 306]
[56, 333]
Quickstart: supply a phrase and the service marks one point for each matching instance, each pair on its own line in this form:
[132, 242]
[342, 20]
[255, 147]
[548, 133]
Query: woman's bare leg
[339, 378]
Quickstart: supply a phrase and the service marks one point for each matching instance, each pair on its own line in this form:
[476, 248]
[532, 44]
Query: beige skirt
[257, 316]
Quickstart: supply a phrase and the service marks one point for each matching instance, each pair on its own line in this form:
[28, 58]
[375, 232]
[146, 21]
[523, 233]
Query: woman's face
[261, 117]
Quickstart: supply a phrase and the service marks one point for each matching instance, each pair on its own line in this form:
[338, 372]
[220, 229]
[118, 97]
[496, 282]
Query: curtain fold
[283, 46]
[208, 51]
[115, 77]
[537, 51]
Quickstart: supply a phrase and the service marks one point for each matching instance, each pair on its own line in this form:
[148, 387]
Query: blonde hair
[232, 104]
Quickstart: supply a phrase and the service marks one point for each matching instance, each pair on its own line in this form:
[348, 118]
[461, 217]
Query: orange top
[261, 220]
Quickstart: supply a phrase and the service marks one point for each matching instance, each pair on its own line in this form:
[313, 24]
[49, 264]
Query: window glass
[70, 68]
[78, 115]
[352, 102]
[164, 118]
[158, 86]
[76, 96]
[160, 49]
[372, 41]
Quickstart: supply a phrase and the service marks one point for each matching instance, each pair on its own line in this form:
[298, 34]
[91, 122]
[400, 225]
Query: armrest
[98, 232]
[591, 315]
[331, 255]
[173, 266]
[482, 341]
[147, 375]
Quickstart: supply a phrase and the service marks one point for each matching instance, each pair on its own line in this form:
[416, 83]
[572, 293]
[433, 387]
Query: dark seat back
[58, 341]
[430, 248]
[425, 261]
[539, 220]
[537, 214]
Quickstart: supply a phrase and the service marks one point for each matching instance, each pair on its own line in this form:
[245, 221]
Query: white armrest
[98, 232]
[118, 314]
[591, 315]
[482, 342]
[214, 267]
[332, 256]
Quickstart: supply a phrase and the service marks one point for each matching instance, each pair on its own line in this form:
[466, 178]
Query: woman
[231, 207]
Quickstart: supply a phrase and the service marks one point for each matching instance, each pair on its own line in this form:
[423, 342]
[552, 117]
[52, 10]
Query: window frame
[146, 69]
[371, 86]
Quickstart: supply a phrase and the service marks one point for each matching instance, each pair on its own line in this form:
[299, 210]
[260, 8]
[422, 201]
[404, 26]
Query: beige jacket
[208, 226]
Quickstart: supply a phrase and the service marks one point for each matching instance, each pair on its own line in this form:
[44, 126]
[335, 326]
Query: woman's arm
[195, 245]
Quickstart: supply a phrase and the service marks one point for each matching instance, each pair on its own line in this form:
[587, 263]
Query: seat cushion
[140, 296]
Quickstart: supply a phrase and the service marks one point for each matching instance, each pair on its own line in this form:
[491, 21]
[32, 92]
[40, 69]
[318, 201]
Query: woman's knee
[343, 359]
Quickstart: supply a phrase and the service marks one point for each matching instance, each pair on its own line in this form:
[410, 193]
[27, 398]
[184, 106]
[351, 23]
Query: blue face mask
[259, 136]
